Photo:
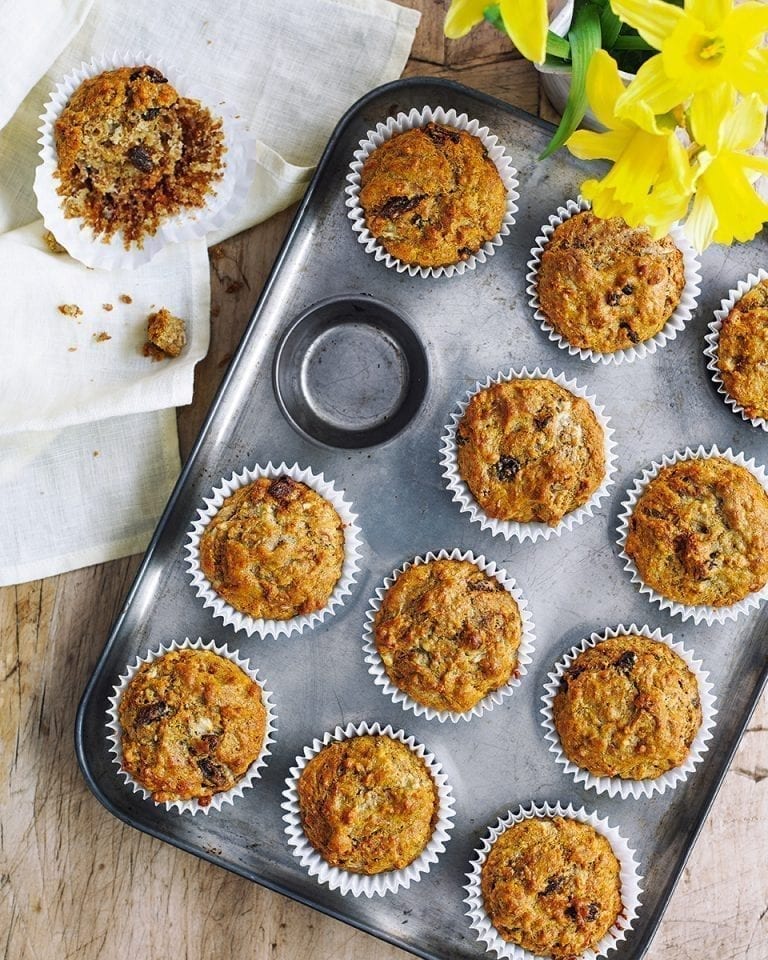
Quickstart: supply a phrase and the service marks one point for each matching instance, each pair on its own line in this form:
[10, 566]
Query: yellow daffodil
[707, 43]
[726, 206]
[651, 180]
[525, 22]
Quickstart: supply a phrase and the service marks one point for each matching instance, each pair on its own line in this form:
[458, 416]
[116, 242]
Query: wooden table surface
[76, 883]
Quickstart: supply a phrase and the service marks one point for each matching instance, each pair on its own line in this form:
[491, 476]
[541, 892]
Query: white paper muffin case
[532, 530]
[630, 879]
[261, 626]
[617, 785]
[222, 203]
[701, 612]
[359, 884]
[251, 774]
[713, 343]
[680, 316]
[408, 121]
[524, 651]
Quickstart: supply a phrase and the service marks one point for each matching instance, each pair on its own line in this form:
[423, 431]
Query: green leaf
[584, 37]
[610, 25]
[558, 46]
[631, 43]
[493, 15]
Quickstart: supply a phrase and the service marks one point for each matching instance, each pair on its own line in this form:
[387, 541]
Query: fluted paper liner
[532, 530]
[680, 315]
[263, 626]
[630, 880]
[251, 774]
[226, 197]
[696, 612]
[619, 785]
[359, 884]
[712, 351]
[524, 651]
[408, 121]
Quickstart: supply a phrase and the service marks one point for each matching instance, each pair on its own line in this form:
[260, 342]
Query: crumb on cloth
[52, 243]
[70, 310]
[166, 335]
[102, 336]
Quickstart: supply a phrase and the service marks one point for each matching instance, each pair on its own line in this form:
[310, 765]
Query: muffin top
[605, 285]
[552, 886]
[628, 707]
[529, 450]
[432, 196]
[132, 152]
[368, 804]
[275, 549]
[742, 355]
[448, 634]
[699, 532]
[192, 723]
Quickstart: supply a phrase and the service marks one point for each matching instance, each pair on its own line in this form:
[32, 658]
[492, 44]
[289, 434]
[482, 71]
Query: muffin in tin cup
[426, 219]
[275, 550]
[198, 696]
[650, 702]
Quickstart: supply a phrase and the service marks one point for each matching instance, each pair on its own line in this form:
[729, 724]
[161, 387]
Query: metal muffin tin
[354, 370]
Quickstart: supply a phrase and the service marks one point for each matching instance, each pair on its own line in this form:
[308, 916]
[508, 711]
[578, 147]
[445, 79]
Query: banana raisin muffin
[448, 634]
[274, 549]
[132, 152]
[192, 723]
[368, 804]
[552, 886]
[606, 286]
[628, 707]
[742, 354]
[432, 196]
[699, 532]
[530, 450]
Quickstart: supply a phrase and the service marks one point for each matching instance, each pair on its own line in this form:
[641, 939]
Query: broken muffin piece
[166, 335]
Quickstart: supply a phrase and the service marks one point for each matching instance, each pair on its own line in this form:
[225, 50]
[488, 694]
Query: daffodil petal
[651, 87]
[710, 12]
[749, 20]
[654, 20]
[702, 222]
[527, 24]
[587, 145]
[749, 72]
[681, 174]
[744, 126]
[462, 16]
[707, 113]
[604, 87]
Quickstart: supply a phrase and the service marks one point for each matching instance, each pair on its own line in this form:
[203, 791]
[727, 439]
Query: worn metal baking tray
[469, 326]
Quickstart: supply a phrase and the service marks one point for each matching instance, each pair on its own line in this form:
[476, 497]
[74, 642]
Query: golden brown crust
[530, 450]
[275, 549]
[192, 723]
[743, 351]
[699, 533]
[132, 152]
[368, 804]
[448, 634]
[432, 196]
[628, 707]
[552, 885]
[166, 332]
[605, 285]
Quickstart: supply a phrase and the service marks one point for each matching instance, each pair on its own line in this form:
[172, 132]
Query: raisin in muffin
[699, 533]
[530, 450]
[628, 707]
[552, 886]
[448, 634]
[132, 152]
[432, 196]
[742, 353]
[274, 549]
[368, 804]
[192, 723]
[606, 286]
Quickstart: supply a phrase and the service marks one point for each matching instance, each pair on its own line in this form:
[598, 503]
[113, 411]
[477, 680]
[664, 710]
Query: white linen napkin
[77, 488]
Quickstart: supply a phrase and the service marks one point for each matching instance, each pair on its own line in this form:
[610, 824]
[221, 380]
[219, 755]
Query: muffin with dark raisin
[742, 353]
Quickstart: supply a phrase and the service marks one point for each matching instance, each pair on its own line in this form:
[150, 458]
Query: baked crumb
[71, 349]
[97, 453]
[155, 353]
[101, 337]
[70, 310]
[125, 298]
[107, 306]
[52, 243]
[165, 333]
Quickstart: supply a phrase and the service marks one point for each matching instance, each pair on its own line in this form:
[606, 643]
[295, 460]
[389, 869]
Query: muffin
[132, 152]
[192, 722]
[368, 804]
[698, 534]
[743, 352]
[448, 634]
[606, 286]
[274, 549]
[530, 450]
[628, 707]
[552, 885]
[432, 196]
